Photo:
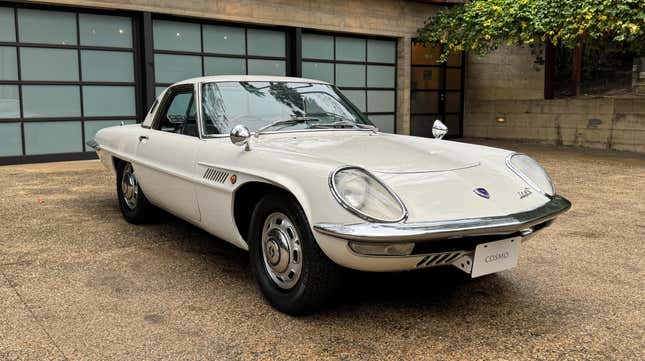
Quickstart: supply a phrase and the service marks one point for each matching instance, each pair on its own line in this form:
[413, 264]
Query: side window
[179, 116]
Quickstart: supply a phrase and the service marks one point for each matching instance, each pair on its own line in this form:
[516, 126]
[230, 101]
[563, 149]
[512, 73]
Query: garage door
[363, 68]
[184, 50]
[63, 76]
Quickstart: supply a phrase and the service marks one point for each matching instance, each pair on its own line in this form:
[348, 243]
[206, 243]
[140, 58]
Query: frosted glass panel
[424, 102]
[266, 43]
[93, 126]
[107, 66]
[9, 101]
[320, 71]
[350, 75]
[51, 101]
[381, 51]
[7, 26]
[10, 140]
[425, 56]
[48, 64]
[426, 77]
[385, 123]
[108, 100]
[454, 59]
[52, 27]
[173, 68]
[8, 63]
[453, 122]
[453, 79]
[53, 137]
[266, 67]
[223, 39]
[174, 35]
[316, 46]
[380, 101]
[104, 30]
[350, 49]
[380, 76]
[453, 102]
[357, 97]
[224, 66]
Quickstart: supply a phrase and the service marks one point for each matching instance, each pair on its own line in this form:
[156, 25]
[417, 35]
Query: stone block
[630, 121]
[476, 132]
[628, 137]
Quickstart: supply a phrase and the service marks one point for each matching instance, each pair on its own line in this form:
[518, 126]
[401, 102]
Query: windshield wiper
[330, 114]
[286, 123]
[343, 123]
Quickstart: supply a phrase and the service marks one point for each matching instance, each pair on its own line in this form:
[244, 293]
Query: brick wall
[508, 84]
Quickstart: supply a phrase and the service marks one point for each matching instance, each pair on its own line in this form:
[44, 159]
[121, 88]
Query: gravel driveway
[78, 282]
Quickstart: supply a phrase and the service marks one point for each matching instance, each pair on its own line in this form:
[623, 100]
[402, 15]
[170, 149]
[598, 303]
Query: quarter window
[179, 116]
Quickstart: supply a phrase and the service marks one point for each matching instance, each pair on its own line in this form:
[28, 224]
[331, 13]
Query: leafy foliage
[481, 26]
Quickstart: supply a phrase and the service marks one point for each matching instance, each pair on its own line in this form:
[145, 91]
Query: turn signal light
[382, 249]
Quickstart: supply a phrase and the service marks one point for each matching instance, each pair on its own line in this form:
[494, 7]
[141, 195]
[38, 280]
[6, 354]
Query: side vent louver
[215, 175]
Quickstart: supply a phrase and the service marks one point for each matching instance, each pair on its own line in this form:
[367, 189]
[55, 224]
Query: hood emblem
[482, 192]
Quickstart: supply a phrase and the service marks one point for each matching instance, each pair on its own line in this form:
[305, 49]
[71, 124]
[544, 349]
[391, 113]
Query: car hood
[379, 153]
[435, 179]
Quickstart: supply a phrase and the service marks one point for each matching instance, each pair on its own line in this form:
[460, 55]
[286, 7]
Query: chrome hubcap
[129, 187]
[281, 250]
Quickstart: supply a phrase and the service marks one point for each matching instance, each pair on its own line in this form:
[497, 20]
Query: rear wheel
[134, 205]
[293, 273]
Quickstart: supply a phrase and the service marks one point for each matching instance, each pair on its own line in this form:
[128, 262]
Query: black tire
[143, 211]
[319, 277]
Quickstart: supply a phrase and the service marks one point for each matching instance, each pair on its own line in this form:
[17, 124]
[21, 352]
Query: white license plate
[496, 256]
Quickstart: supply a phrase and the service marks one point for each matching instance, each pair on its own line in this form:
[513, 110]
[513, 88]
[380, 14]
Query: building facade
[68, 68]
[71, 67]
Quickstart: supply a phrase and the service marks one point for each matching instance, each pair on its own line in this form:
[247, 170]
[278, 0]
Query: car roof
[237, 78]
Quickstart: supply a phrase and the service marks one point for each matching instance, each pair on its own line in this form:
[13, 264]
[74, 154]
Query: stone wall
[508, 84]
[398, 18]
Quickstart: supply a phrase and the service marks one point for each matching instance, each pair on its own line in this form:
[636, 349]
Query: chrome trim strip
[471, 165]
[197, 99]
[341, 201]
[427, 231]
[207, 136]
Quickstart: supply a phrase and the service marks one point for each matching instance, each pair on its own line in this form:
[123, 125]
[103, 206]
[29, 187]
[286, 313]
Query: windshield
[272, 105]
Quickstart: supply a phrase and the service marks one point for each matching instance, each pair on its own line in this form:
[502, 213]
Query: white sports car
[290, 170]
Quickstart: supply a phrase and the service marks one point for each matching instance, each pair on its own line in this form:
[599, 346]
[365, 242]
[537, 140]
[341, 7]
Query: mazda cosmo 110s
[290, 170]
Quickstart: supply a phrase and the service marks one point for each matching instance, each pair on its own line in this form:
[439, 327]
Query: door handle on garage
[142, 137]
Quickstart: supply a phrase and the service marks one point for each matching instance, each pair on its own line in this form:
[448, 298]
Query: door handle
[142, 137]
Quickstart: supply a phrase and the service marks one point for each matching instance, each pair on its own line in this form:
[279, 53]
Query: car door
[166, 154]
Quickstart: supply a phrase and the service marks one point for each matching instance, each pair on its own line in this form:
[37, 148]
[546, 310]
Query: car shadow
[439, 288]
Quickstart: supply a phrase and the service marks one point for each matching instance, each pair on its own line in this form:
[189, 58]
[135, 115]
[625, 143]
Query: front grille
[439, 259]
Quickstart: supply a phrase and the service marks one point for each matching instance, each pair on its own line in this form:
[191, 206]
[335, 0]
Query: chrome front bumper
[93, 144]
[522, 222]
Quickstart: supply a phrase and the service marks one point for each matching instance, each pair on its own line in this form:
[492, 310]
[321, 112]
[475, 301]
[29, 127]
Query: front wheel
[134, 205]
[293, 273]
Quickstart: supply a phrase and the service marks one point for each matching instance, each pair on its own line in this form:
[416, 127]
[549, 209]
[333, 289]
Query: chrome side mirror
[439, 129]
[240, 135]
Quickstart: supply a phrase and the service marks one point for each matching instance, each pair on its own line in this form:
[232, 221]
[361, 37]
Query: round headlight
[364, 195]
[531, 172]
